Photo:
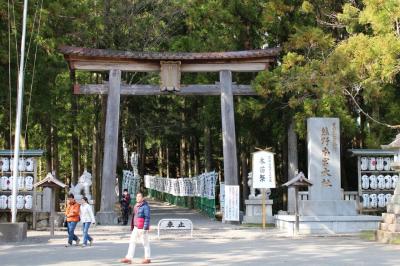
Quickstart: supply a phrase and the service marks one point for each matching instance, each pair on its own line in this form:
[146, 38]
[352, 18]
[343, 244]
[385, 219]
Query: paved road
[212, 244]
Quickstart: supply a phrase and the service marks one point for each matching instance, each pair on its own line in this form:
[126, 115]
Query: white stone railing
[347, 195]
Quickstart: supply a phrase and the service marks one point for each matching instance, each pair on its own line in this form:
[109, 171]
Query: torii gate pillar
[106, 215]
[228, 129]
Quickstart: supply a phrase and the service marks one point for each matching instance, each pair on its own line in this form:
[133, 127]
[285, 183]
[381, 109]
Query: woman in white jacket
[87, 218]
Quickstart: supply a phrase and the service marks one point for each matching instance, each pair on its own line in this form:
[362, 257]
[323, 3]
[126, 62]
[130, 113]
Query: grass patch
[368, 235]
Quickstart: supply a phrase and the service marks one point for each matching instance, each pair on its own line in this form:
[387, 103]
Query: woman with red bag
[140, 230]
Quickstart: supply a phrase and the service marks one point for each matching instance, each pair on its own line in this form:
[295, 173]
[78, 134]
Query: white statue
[84, 183]
[253, 192]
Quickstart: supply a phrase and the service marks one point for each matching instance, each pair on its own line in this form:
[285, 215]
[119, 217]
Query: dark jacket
[141, 210]
[125, 201]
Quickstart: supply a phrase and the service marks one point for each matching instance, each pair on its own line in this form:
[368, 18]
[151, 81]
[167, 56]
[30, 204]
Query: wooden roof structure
[91, 59]
[50, 181]
[300, 180]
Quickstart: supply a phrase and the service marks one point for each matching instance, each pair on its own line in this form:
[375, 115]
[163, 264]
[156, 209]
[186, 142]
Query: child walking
[87, 218]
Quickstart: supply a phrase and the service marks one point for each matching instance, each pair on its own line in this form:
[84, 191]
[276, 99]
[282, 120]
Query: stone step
[393, 228]
[384, 226]
[390, 218]
[387, 237]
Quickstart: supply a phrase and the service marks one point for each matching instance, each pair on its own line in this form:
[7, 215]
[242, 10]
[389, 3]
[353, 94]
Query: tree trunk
[189, 156]
[207, 149]
[56, 163]
[160, 160]
[196, 156]
[167, 158]
[244, 172]
[49, 150]
[182, 157]
[95, 176]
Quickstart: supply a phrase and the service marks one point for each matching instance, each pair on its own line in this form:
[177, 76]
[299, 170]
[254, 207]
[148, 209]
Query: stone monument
[325, 196]
[254, 205]
[325, 211]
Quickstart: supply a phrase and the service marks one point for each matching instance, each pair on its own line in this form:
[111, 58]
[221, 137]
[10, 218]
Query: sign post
[263, 175]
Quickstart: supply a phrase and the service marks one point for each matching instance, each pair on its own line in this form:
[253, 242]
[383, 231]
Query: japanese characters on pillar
[263, 170]
[327, 135]
[324, 158]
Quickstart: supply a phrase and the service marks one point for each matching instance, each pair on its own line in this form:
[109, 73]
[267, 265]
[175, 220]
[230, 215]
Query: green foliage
[329, 48]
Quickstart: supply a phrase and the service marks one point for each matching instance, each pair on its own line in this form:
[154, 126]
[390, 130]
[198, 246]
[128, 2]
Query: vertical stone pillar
[228, 129]
[292, 165]
[108, 197]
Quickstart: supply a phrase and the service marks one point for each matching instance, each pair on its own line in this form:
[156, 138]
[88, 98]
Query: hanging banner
[222, 197]
[231, 210]
[263, 170]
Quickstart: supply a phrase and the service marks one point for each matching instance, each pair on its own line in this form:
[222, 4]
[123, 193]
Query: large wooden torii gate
[170, 66]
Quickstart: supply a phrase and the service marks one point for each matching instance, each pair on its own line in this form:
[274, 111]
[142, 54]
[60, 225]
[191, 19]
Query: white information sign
[263, 170]
[231, 210]
[175, 225]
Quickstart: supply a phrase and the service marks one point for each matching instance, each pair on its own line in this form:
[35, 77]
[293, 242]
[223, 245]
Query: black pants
[125, 215]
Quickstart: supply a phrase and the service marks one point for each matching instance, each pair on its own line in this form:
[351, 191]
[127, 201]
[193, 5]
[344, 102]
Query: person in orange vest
[72, 214]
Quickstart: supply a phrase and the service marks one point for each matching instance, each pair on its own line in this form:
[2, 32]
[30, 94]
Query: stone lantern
[53, 183]
[299, 181]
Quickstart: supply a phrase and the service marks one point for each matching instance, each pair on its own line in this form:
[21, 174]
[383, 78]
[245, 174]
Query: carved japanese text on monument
[323, 138]
[325, 173]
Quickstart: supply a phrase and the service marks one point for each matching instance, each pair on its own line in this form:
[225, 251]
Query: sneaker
[77, 241]
[146, 261]
[125, 260]
[90, 242]
[84, 245]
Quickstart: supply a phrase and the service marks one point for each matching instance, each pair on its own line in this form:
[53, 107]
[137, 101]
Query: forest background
[339, 58]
